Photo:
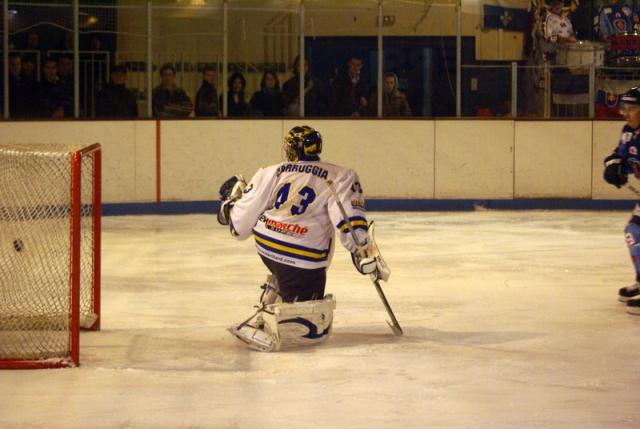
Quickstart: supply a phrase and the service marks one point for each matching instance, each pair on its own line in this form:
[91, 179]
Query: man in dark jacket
[350, 92]
[315, 97]
[115, 100]
[54, 101]
[207, 96]
[170, 101]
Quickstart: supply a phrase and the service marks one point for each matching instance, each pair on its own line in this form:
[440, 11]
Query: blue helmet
[631, 97]
[302, 143]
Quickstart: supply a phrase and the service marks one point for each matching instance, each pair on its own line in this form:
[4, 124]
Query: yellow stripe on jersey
[268, 243]
[355, 223]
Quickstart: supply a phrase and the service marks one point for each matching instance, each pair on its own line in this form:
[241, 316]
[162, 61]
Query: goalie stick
[394, 325]
[633, 189]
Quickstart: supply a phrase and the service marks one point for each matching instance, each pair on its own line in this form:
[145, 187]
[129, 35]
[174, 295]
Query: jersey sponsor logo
[357, 204]
[303, 168]
[633, 150]
[291, 229]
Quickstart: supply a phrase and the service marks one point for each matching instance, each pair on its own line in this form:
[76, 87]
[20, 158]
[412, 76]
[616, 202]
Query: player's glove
[364, 264]
[614, 170]
[232, 188]
[230, 192]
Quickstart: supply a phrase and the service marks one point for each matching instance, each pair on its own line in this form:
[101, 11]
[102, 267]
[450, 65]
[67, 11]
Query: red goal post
[50, 197]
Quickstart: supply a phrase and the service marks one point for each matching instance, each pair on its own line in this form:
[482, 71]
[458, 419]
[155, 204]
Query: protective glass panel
[263, 43]
[342, 58]
[419, 40]
[112, 35]
[187, 39]
[36, 32]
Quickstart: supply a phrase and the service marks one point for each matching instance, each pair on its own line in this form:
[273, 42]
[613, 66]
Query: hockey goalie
[292, 210]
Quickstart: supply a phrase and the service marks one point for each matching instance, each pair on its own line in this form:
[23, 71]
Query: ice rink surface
[510, 318]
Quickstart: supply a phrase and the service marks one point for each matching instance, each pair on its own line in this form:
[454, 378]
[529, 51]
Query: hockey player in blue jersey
[622, 162]
[292, 210]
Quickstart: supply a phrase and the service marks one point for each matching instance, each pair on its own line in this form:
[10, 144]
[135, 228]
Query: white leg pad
[300, 323]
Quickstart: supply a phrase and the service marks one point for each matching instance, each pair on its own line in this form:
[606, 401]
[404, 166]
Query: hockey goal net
[49, 252]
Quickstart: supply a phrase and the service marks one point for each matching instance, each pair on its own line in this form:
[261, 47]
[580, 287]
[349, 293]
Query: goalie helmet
[302, 143]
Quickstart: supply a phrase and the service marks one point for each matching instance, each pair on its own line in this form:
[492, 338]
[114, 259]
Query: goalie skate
[255, 338]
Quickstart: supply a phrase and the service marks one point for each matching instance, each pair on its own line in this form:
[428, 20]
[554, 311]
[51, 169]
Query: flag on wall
[510, 15]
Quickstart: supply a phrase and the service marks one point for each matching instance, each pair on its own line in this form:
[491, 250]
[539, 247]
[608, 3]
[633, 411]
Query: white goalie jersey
[292, 213]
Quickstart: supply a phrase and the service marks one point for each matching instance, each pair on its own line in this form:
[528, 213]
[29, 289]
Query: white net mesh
[36, 250]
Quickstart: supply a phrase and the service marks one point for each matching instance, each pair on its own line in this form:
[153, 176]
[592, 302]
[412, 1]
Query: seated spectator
[315, 96]
[207, 96]
[394, 102]
[350, 93]
[115, 100]
[53, 98]
[236, 101]
[268, 101]
[614, 17]
[168, 100]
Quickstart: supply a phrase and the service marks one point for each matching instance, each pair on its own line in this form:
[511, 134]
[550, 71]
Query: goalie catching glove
[230, 192]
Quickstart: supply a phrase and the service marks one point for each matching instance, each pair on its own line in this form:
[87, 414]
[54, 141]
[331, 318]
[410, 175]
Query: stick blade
[397, 330]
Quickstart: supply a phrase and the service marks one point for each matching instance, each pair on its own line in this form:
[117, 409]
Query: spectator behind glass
[32, 43]
[65, 75]
[349, 92]
[169, 101]
[115, 100]
[268, 101]
[53, 100]
[17, 96]
[315, 95]
[207, 96]
[29, 85]
[236, 102]
[394, 102]
[65, 69]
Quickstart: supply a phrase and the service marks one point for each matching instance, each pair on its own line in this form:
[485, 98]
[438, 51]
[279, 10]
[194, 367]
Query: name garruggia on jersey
[291, 212]
[309, 169]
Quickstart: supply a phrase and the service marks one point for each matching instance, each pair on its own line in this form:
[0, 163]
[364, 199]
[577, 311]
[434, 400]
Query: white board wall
[396, 159]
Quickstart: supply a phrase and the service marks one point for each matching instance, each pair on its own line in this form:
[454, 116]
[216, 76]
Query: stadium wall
[410, 164]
